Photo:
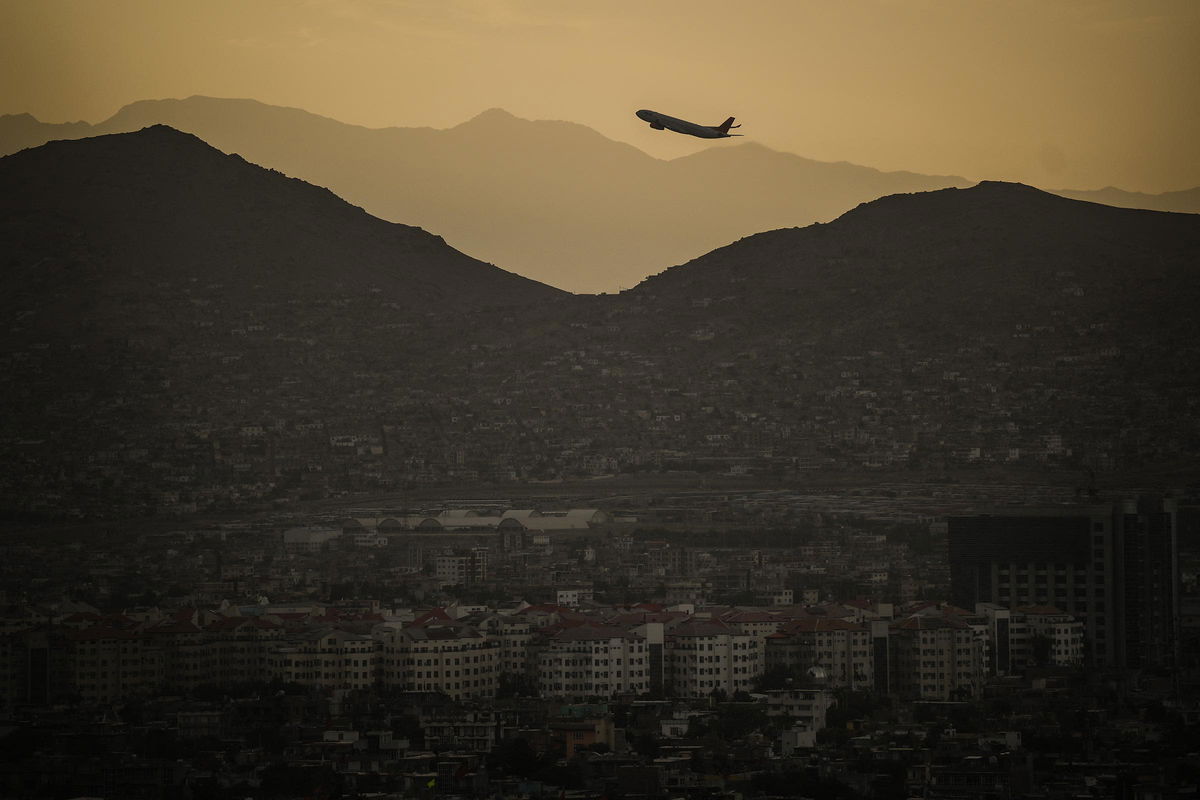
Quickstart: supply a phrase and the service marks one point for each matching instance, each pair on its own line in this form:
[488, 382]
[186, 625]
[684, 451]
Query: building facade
[706, 656]
[1113, 567]
[840, 649]
[592, 660]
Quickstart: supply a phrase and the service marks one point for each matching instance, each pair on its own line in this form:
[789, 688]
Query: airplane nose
[644, 115]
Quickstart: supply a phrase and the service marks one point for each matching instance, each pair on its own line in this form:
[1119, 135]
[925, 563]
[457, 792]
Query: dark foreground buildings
[1113, 566]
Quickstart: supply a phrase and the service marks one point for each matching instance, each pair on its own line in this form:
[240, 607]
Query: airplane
[660, 121]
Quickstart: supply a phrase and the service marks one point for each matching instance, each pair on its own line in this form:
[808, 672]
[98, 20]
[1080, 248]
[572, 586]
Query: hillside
[994, 253]
[163, 357]
[154, 285]
[555, 201]
[988, 329]
[105, 215]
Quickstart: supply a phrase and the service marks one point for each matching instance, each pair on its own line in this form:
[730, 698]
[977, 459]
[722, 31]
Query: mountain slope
[992, 331]
[552, 200]
[988, 262]
[158, 292]
[163, 205]
[994, 327]
[1013, 238]
[555, 201]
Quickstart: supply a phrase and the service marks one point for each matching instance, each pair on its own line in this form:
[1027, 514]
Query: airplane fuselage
[662, 121]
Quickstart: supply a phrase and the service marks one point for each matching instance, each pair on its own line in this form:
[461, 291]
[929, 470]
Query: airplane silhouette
[662, 121]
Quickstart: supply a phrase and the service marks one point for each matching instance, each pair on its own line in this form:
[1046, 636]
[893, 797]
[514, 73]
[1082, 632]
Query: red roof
[433, 616]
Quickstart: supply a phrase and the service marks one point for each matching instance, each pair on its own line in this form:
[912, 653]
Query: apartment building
[457, 660]
[1056, 637]
[838, 648]
[592, 659]
[705, 656]
[464, 567]
[239, 648]
[326, 658]
[935, 657]
[759, 624]
[108, 664]
[513, 633]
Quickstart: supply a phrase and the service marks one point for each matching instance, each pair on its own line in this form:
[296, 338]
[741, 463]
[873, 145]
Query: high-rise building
[1113, 567]
[1146, 582]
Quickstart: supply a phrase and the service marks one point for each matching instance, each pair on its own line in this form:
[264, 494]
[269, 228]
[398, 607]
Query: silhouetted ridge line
[1005, 229]
[226, 337]
[162, 200]
[602, 213]
[555, 200]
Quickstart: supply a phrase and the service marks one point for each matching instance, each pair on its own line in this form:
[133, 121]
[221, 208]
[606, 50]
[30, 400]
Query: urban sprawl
[654, 649]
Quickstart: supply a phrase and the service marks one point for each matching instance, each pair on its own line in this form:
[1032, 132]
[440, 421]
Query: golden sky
[1057, 93]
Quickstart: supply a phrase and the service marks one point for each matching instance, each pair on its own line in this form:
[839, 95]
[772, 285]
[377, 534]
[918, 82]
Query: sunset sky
[1056, 93]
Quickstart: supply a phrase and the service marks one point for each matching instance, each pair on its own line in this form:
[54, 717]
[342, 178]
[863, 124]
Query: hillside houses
[248, 428]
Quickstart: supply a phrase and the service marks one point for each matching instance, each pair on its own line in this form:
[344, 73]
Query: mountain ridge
[604, 213]
[925, 334]
[165, 200]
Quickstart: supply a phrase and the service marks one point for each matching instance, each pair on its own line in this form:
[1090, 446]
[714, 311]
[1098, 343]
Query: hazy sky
[1057, 93]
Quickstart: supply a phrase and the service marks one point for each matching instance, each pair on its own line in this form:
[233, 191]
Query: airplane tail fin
[726, 125]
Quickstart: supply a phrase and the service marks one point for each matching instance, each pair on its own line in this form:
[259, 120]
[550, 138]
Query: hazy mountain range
[1187, 201]
[180, 318]
[554, 201]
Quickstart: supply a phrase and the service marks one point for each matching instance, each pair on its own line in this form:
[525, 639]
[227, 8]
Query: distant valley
[187, 331]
